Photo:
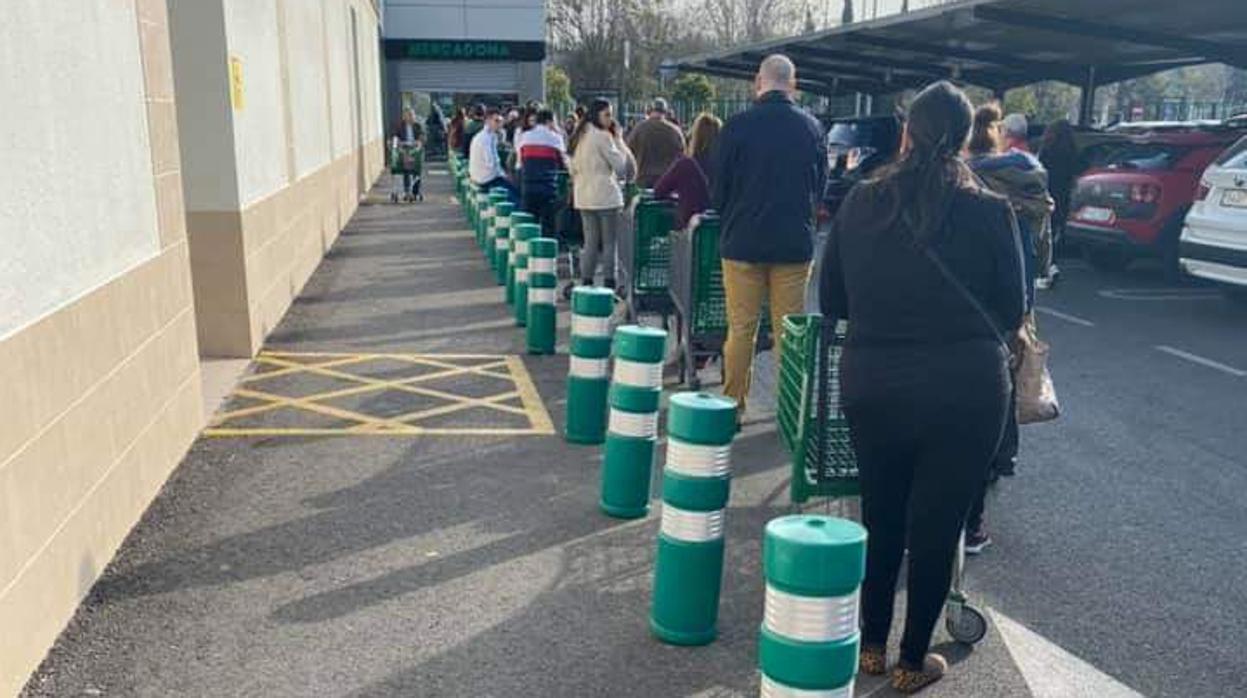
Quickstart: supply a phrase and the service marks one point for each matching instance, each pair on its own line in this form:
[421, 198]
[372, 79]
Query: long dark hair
[921, 183]
[1058, 142]
[596, 107]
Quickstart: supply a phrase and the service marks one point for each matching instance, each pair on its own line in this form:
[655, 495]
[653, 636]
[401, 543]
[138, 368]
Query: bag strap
[966, 294]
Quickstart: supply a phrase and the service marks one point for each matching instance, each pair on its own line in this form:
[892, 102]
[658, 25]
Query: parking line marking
[1064, 316]
[1158, 294]
[1196, 358]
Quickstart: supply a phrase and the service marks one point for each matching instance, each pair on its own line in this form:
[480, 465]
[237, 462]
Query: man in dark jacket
[772, 164]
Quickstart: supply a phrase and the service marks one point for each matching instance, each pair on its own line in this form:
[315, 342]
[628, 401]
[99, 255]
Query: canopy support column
[1086, 103]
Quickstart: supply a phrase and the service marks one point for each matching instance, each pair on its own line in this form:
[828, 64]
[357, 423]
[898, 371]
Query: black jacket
[771, 166]
[893, 294]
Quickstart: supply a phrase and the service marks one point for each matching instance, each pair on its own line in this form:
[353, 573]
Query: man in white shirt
[484, 167]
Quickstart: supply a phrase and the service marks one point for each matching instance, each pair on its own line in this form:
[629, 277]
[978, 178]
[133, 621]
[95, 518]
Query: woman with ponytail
[926, 267]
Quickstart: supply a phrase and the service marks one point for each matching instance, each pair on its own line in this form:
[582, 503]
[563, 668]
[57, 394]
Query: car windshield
[856, 133]
[1236, 156]
[1143, 156]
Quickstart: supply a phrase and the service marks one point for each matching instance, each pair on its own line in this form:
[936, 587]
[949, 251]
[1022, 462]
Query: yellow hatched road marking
[336, 366]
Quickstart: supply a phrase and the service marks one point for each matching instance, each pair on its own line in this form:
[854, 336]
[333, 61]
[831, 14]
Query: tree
[558, 86]
[693, 89]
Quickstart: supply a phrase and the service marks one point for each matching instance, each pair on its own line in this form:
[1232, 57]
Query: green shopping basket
[812, 426]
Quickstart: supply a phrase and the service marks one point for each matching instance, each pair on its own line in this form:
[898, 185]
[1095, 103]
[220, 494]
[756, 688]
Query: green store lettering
[459, 49]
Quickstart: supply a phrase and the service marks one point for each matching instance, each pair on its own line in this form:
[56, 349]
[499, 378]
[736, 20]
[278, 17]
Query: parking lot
[1117, 540]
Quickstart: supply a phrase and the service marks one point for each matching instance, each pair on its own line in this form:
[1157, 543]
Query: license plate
[1234, 198]
[1096, 214]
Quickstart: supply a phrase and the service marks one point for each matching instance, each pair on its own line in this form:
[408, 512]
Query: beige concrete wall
[302, 153]
[102, 395]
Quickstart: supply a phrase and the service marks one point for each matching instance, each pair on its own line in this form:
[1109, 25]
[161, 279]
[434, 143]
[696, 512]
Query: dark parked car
[856, 147]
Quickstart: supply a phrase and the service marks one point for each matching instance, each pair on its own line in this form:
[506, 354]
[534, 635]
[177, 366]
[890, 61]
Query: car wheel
[1170, 255]
[1108, 259]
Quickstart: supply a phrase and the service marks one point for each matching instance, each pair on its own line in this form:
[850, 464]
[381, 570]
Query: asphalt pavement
[1121, 537]
[471, 559]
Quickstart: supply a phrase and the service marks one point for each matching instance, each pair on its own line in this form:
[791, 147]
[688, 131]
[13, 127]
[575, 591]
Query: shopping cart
[645, 257]
[815, 433]
[406, 160]
[698, 300]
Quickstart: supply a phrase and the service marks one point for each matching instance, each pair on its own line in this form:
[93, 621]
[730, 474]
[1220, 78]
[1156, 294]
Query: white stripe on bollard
[811, 618]
[540, 295]
[637, 374]
[771, 689]
[521, 275]
[691, 526]
[590, 326]
[543, 265]
[698, 461]
[588, 368]
[500, 244]
[639, 424]
[521, 247]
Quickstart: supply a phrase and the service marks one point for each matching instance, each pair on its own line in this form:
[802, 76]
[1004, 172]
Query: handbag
[1032, 382]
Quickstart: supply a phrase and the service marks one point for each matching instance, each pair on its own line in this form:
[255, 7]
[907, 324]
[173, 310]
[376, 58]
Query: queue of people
[933, 262]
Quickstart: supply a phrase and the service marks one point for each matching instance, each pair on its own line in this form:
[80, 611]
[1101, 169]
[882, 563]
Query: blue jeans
[513, 194]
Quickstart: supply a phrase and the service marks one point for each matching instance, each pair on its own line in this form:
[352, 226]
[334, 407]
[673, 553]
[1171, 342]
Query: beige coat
[597, 166]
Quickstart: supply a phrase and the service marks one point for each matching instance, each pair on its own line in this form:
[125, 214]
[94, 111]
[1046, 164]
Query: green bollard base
[627, 465]
[500, 267]
[688, 576]
[672, 637]
[624, 512]
[586, 410]
[540, 334]
[521, 303]
[509, 287]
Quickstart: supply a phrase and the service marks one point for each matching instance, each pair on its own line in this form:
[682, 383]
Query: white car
[1214, 236]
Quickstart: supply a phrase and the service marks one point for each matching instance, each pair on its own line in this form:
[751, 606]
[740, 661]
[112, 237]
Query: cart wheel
[967, 626]
[393, 198]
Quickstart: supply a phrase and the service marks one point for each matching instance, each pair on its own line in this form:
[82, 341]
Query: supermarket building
[174, 170]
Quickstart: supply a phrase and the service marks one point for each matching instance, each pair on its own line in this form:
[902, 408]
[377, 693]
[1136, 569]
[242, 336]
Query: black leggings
[925, 423]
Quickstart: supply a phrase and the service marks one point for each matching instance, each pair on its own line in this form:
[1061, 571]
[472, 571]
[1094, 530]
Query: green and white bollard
[809, 640]
[588, 379]
[542, 280]
[501, 240]
[688, 569]
[486, 234]
[480, 204]
[632, 427]
[518, 218]
[521, 235]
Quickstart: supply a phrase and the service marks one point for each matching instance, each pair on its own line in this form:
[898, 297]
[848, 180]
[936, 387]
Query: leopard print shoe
[873, 660]
[907, 680]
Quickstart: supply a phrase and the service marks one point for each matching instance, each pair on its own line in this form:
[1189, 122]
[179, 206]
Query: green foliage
[693, 88]
[558, 86]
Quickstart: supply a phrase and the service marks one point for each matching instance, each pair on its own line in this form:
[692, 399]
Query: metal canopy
[1000, 44]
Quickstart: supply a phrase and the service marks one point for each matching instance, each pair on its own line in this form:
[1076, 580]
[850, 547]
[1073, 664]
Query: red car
[1132, 202]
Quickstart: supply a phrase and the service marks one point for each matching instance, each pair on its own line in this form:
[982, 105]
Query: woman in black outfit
[924, 375]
